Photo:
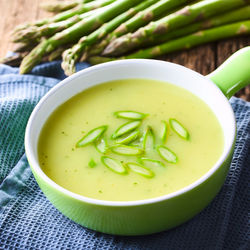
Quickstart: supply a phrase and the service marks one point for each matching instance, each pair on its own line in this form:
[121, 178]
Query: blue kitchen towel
[29, 221]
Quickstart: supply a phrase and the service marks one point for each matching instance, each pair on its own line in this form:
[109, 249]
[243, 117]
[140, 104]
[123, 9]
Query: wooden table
[203, 59]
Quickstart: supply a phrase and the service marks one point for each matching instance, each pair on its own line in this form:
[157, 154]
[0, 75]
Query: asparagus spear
[79, 10]
[58, 6]
[72, 55]
[36, 32]
[74, 32]
[151, 13]
[57, 54]
[186, 42]
[187, 15]
[141, 19]
[229, 17]
[67, 14]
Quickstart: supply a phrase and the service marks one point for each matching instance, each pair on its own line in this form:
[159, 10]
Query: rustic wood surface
[203, 59]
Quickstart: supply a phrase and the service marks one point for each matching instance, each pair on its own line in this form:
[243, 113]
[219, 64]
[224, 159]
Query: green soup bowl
[156, 214]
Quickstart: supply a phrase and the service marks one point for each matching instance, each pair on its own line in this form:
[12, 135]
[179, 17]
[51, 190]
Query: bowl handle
[234, 73]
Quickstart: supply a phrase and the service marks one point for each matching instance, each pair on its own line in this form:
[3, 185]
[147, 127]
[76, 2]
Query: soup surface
[69, 166]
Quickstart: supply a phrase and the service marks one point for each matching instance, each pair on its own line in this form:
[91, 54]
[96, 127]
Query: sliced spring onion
[137, 143]
[151, 162]
[139, 169]
[179, 129]
[126, 150]
[128, 138]
[132, 115]
[125, 128]
[92, 163]
[164, 131]
[114, 165]
[167, 154]
[101, 145]
[148, 142]
[91, 136]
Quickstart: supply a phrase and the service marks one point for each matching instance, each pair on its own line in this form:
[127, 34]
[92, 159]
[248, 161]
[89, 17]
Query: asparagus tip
[34, 57]
[68, 62]
[115, 47]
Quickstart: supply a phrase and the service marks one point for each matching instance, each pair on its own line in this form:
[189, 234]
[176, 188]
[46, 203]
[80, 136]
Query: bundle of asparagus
[104, 30]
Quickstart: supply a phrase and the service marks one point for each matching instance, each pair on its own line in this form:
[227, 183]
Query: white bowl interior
[136, 68]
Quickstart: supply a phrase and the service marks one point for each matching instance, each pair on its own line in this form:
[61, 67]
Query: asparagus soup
[130, 140]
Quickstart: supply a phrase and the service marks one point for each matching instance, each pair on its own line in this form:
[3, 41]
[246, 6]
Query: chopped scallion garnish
[91, 136]
[132, 115]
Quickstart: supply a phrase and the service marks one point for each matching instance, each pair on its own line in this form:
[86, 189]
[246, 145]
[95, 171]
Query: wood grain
[202, 59]
[13, 13]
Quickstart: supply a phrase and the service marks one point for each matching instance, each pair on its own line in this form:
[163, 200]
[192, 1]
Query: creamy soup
[81, 170]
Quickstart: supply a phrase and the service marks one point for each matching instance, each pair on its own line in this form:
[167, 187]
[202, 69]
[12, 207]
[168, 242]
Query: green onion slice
[179, 129]
[125, 128]
[92, 163]
[91, 136]
[164, 131]
[151, 162]
[167, 154]
[114, 165]
[126, 150]
[128, 138]
[132, 115]
[139, 169]
[101, 145]
[148, 139]
[136, 143]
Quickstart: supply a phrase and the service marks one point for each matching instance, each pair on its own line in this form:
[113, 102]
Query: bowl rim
[38, 171]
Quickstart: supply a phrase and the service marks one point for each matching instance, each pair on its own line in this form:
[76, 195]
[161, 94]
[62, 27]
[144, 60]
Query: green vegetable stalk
[186, 42]
[189, 14]
[144, 17]
[72, 55]
[33, 33]
[84, 27]
[80, 9]
[151, 13]
[225, 18]
[58, 6]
